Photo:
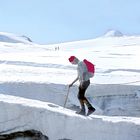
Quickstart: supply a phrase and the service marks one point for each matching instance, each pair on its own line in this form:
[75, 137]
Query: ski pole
[66, 97]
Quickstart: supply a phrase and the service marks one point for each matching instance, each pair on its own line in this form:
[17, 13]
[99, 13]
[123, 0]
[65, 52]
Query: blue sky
[56, 21]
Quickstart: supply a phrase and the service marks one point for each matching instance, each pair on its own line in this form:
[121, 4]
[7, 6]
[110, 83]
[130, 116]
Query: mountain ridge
[13, 38]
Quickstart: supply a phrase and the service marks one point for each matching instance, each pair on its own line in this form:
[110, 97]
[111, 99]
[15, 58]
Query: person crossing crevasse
[84, 79]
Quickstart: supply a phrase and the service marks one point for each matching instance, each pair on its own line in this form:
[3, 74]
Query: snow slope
[58, 123]
[43, 73]
[12, 38]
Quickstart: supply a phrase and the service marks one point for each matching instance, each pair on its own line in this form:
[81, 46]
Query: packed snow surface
[60, 123]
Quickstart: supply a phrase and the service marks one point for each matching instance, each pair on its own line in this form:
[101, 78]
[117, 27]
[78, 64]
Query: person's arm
[73, 82]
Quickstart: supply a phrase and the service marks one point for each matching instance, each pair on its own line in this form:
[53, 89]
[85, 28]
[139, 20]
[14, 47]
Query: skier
[84, 80]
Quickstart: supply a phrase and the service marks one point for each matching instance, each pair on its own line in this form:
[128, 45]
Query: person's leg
[81, 96]
[91, 109]
[89, 106]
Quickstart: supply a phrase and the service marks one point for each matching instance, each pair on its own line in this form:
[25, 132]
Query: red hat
[72, 58]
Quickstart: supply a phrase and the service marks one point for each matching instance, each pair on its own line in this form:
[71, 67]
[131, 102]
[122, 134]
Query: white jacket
[82, 72]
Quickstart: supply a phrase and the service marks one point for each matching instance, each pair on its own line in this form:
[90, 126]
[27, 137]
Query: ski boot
[90, 110]
[81, 112]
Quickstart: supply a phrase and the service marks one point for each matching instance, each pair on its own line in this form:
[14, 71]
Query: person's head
[73, 60]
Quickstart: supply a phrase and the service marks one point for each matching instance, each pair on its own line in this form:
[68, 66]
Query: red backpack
[90, 68]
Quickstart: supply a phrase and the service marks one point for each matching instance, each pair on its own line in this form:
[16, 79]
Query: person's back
[82, 71]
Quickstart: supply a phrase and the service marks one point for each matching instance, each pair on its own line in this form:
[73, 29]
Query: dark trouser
[81, 95]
